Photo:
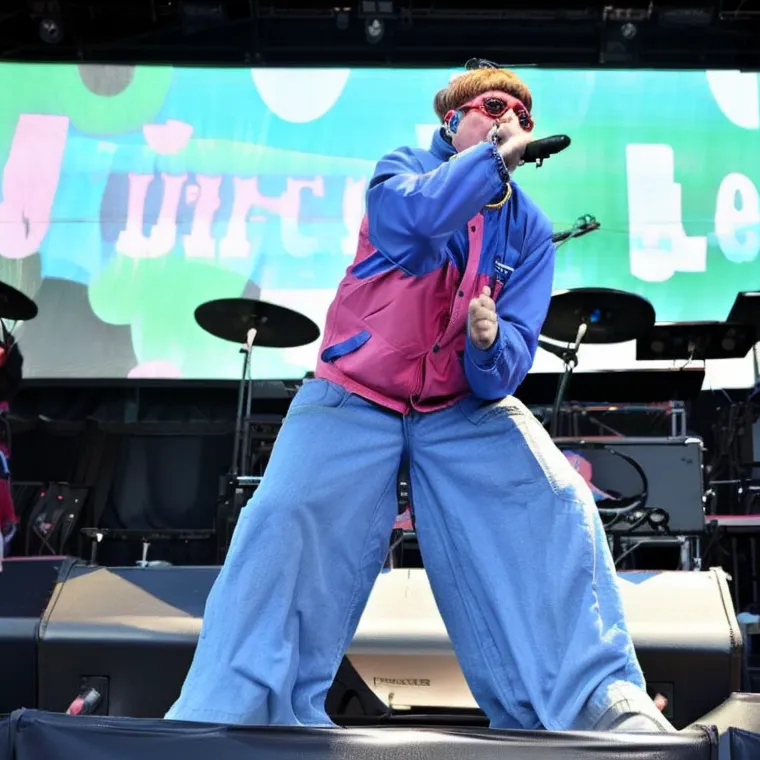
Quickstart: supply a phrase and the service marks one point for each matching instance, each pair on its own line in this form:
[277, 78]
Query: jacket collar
[441, 148]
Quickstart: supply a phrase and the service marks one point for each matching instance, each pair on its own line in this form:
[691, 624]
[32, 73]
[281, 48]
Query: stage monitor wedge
[26, 585]
[134, 630]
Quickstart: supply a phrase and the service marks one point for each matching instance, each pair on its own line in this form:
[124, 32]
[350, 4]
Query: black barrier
[745, 745]
[6, 738]
[55, 736]
[740, 710]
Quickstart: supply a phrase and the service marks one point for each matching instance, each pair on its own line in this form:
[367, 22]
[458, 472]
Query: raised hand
[482, 320]
[511, 140]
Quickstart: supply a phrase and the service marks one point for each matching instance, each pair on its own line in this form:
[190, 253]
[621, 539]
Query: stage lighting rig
[50, 30]
[47, 16]
[375, 14]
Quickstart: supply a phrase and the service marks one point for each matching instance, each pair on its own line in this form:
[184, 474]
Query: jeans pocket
[320, 394]
[479, 412]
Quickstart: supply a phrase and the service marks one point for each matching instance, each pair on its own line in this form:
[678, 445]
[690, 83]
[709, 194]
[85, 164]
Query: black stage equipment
[61, 737]
[130, 633]
[653, 486]
[26, 585]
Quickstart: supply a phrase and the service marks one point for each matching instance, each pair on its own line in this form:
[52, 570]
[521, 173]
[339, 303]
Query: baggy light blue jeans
[510, 537]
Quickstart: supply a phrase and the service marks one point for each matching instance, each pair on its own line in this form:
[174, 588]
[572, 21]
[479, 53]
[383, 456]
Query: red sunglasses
[495, 107]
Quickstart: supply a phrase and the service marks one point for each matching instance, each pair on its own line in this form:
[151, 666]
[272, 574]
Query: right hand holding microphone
[510, 140]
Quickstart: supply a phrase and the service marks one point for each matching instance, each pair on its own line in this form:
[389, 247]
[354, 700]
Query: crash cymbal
[276, 327]
[15, 306]
[612, 316]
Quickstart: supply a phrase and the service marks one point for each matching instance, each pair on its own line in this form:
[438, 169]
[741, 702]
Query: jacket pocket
[345, 347]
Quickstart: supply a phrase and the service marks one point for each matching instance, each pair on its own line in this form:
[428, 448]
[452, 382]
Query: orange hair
[473, 83]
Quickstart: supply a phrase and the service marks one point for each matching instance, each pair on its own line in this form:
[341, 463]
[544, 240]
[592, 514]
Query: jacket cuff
[485, 360]
[501, 166]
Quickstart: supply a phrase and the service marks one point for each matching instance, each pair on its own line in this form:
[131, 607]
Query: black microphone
[538, 150]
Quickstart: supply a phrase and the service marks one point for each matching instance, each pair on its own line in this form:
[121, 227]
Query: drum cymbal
[276, 327]
[15, 306]
[612, 316]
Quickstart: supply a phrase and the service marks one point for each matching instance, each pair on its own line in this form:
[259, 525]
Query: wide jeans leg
[521, 570]
[302, 562]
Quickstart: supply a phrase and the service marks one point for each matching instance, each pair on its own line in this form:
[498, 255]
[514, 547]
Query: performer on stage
[433, 328]
[11, 364]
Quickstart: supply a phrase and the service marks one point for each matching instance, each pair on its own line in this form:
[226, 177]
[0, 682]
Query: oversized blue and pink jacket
[396, 333]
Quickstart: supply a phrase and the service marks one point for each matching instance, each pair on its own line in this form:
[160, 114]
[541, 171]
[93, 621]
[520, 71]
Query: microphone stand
[569, 356]
[583, 225]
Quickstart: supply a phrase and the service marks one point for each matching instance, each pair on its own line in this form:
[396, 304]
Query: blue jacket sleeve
[522, 307]
[412, 214]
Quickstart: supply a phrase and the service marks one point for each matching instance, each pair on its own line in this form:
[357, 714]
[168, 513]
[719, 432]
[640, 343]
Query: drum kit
[594, 316]
[591, 316]
[606, 316]
[582, 315]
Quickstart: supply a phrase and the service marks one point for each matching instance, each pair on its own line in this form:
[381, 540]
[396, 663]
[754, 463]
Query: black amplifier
[643, 486]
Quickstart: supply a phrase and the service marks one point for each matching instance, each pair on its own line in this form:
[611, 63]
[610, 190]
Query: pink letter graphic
[30, 181]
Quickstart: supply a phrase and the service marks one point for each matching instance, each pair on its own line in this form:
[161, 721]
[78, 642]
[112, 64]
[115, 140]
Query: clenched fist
[482, 320]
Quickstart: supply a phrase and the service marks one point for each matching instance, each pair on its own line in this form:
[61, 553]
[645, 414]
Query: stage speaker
[683, 626]
[131, 632]
[26, 584]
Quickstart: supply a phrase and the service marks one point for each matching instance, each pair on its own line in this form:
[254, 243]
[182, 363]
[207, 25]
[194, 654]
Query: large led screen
[130, 195]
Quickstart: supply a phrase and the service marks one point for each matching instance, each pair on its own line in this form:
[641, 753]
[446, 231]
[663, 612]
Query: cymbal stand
[241, 443]
[569, 356]
[7, 334]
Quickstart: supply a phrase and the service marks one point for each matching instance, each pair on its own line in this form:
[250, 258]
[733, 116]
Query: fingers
[508, 126]
[483, 332]
[483, 307]
[483, 320]
[482, 313]
[484, 299]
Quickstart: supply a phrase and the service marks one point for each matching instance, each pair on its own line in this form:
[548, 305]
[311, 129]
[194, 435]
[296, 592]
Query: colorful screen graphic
[130, 195]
